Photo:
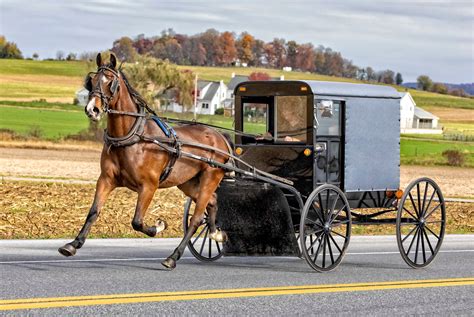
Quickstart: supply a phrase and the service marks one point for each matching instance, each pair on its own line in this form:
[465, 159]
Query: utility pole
[195, 95]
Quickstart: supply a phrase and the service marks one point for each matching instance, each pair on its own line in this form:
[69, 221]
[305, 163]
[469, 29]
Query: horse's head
[103, 86]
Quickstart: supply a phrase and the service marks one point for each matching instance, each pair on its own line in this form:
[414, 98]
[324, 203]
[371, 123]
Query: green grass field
[46, 123]
[429, 152]
[54, 68]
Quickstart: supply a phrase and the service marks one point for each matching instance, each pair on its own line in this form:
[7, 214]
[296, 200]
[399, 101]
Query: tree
[71, 57]
[244, 46]
[9, 49]
[349, 69]
[424, 82]
[210, 42]
[153, 77]
[370, 74]
[398, 79]
[227, 48]
[35, 56]
[124, 50]
[60, 55]
[305, 58]
[387, 77]
[439, 88]
[259, 76]
[291, 52]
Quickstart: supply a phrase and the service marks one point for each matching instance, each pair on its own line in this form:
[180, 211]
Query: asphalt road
[33, 269]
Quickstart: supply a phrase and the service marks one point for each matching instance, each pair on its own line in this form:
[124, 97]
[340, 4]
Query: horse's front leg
[208, 183]
[145, 196]
[103, 188]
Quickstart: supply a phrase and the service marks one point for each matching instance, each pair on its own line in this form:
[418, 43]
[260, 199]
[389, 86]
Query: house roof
[404, 93]
[237, 79]
[423, 114]
[202, 83]
[211, 91]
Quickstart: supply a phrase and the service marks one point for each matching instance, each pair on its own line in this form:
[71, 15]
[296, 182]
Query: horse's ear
[98, 60]
[113, 60]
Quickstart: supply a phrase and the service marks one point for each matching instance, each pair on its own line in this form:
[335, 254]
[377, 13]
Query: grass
[56, 68]
[429, 152]
[43, 123]
[42, 105]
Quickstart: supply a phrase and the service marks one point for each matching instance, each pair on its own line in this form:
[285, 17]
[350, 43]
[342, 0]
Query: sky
[413, 37]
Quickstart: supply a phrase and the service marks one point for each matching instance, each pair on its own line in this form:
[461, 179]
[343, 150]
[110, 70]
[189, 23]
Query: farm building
[414, 119]
[82, 96]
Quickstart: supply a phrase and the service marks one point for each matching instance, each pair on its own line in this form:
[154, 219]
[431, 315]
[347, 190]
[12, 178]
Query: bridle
[105, 100]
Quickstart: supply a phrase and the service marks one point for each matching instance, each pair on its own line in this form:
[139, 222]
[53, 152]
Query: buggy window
[255, 116]
[290, 119]
[328, 115]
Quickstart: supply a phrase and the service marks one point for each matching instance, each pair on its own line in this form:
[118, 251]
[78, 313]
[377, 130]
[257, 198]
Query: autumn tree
[424, 82]
[227, 48]
[259, 76]
[387, 77]
[244, 46]
[291, 52]
[210, 41]
[258, 52]
[9, 49]
[439, 88]
[305, 58]
[124, 50]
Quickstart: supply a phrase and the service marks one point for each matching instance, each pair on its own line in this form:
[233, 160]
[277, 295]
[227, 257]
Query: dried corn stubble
[55, 210]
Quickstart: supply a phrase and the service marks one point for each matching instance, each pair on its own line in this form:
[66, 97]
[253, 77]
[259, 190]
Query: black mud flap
[256, 218]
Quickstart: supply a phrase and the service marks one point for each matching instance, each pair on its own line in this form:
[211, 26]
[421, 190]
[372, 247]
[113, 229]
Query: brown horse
[138, 164]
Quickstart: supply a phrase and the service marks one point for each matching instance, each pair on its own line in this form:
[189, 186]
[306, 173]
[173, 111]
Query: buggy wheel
[201, 245]
[421, 222]
[325, 228]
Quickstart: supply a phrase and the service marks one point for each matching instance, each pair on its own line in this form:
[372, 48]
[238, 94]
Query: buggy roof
[335, 89]
[342, 89]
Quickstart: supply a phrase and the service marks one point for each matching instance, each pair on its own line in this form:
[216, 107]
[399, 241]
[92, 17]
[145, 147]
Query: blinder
[88, 83]
[114, 86]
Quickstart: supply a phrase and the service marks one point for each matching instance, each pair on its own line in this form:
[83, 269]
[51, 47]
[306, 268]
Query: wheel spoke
[318, 213]
[210, 247]
[337, 224]
[428, 240]
[431, 212]
[321, 206]
[429, 203]
[437, 237]
[337, 233]
[333, 207]
[423, 245]
[203, 241]
[418, 197]
[324, 251]
[437, 221]
[218, 247]
[314, 222]
[335, 243]
[413, 240]
[337, 214]
[424, 199]
[406, 237]
[318, 249]
[408, 211]
[200, 234]
[417, 245]
[330, 249]
[414, 205]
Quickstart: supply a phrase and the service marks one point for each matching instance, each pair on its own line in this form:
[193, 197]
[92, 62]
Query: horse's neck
[118, 124]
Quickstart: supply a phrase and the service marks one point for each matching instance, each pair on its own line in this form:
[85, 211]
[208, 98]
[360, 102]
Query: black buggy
[311, 160]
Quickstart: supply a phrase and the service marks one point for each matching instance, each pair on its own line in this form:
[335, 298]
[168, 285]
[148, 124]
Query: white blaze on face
[90, 106]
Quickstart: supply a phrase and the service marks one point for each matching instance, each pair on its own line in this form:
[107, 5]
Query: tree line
[425, 83]
[214, 48]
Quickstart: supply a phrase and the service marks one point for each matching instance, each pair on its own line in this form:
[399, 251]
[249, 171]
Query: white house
[414, 119]
[211, 96]
[82, 96]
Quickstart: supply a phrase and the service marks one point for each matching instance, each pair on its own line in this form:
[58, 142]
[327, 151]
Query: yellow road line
[30, 303]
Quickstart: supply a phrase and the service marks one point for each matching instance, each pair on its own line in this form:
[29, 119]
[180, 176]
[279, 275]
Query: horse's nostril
[96, 110]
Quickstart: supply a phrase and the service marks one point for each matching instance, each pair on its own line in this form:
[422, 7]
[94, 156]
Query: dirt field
[45, 209]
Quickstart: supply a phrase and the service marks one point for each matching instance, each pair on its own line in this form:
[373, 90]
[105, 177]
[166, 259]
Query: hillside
[59, 80]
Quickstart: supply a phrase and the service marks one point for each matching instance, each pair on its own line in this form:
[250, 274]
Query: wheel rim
[201, 245]
[421, 222]
[325, 228]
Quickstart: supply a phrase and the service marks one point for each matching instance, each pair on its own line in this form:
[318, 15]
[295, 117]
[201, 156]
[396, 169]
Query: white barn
[414, 119]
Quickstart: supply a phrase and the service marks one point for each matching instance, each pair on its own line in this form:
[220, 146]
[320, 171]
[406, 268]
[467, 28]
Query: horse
[130, 159]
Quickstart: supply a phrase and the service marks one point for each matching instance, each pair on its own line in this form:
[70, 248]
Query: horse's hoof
[67, 250]
[160, 226]
[169, 263]
[219, 236]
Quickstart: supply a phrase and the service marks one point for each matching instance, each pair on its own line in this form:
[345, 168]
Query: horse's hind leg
[208, 183]
[103, 189]
[145, 196]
